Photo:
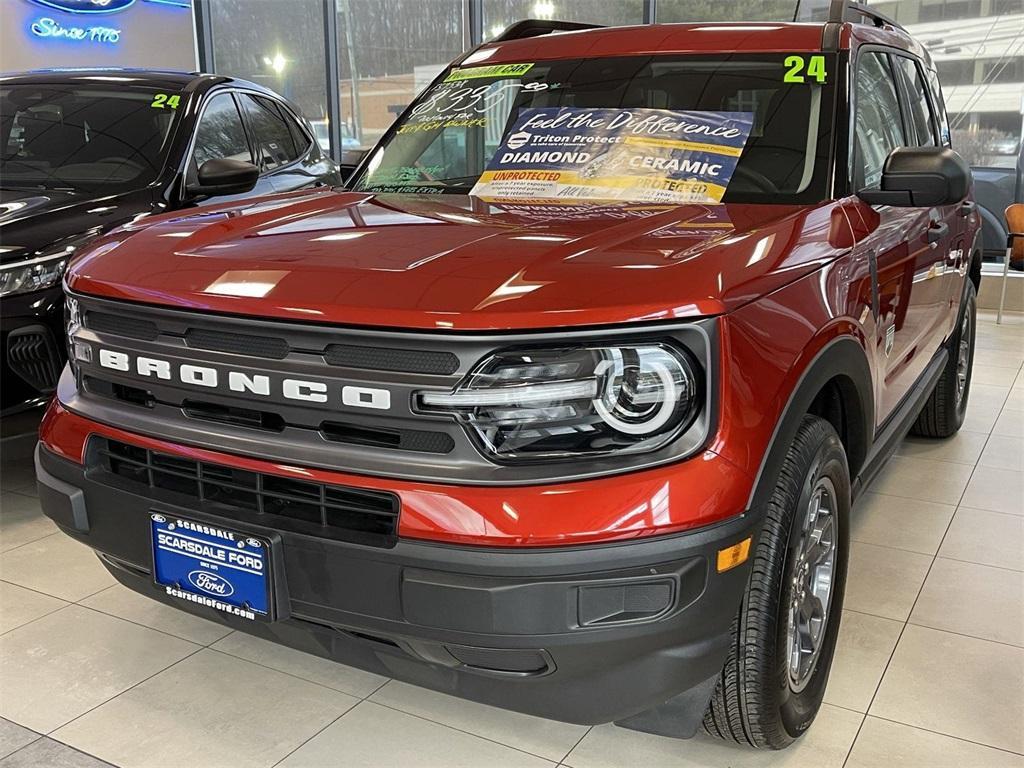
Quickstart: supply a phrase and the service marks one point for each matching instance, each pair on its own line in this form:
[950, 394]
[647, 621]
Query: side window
[274, 140]
[917, 101]
[878, 126]
[220, 133]
[940, 108]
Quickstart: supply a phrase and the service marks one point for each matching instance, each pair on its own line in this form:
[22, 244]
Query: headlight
[33, 275]
[576, 402]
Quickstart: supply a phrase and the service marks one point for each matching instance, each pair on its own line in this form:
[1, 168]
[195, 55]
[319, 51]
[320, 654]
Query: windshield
[88, 138]
[741, 128]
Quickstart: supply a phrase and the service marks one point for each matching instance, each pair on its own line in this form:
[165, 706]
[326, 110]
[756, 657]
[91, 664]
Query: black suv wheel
[785, 634]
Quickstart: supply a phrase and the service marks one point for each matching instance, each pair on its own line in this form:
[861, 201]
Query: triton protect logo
[242, 382]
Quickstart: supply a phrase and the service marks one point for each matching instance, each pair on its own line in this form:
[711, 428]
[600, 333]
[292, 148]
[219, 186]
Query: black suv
[84, 151]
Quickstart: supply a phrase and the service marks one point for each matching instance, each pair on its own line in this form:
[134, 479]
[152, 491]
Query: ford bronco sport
[561, 405]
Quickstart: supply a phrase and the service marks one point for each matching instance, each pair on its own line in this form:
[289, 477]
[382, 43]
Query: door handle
[967, 208]
[937, 230]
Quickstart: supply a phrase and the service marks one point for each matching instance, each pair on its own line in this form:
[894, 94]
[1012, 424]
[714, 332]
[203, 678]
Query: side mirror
[921, 177]
[223, 176]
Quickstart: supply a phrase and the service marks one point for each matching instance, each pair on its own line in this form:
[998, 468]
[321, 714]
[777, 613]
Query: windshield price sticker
[460, 104]
[640, 155]
[494, 70]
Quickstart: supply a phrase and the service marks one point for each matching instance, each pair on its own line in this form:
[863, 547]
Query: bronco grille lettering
[242, 381]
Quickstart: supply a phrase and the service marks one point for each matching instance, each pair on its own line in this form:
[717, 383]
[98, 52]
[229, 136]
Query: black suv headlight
[34, 274]
[573, 402]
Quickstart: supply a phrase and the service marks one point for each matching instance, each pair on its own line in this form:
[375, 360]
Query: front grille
[397, 360]
[300, 506]
[32, 354]
[237, 343]
[119, 325]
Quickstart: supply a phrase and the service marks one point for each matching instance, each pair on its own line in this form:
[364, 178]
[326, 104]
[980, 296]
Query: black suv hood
[33, 219]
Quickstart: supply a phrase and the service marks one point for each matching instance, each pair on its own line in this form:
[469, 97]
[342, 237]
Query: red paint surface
[449, 262]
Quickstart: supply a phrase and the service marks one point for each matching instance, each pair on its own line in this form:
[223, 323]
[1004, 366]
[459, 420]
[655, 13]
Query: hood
[33, 219]
[433, 261]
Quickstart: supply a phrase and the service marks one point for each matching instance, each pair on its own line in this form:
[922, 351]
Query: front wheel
[784, 636]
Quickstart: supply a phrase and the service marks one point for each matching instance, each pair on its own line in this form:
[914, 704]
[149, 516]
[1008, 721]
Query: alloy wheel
[812, 580]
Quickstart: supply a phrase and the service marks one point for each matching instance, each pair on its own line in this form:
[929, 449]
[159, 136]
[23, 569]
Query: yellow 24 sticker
[801, 68]
[162, 100]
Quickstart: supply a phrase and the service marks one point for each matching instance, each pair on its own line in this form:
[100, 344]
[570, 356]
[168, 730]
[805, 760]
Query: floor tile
[210, 710]
[993, 375]
[883, 581]
[881, 744]
[21, 521]
[373, 736]
[987, 396]
[990, 538]
[124, 603]
[998, 490]
[893, 521]
[51, 754]
[20, 606]
[923, 479]
[960, 686]
[1015, 400]
[545, 738]
[962, 448]
[348, 680]
[19, 474]
[825, 744]
[1002, 452]
[57, 565]
[1010, 424]
[865, 645]
[13, 737]
[999, 358]
[64, 664]
[976, 600]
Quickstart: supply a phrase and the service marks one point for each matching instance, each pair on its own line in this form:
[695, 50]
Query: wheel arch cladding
[837, 386]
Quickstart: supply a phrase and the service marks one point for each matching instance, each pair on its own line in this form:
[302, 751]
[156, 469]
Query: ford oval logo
[86, 6]
[211, 583]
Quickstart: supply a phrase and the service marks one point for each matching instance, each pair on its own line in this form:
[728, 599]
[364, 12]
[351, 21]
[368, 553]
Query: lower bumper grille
[32, 354]
[300, 506]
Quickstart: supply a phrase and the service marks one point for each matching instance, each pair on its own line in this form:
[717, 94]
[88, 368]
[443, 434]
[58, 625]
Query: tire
[759, 700]
[944, 411]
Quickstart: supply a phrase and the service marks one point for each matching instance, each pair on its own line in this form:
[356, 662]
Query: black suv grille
[300, 506]
[32, 353]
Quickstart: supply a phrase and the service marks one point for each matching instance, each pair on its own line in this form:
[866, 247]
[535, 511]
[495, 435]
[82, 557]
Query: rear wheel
[946, 407]
[785, 634]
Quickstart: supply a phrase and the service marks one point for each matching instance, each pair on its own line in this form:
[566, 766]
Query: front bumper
[634, 632]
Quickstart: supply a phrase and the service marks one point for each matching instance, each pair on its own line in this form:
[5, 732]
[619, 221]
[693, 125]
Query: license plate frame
[212, 565]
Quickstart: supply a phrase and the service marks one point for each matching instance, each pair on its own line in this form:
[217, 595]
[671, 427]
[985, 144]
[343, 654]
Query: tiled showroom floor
[930, 669]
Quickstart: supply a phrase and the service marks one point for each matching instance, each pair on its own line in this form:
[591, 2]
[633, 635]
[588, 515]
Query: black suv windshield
[95, 138]
[737, 128]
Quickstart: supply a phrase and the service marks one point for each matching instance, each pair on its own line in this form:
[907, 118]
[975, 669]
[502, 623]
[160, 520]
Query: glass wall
[388, 50]
[276, 43]
[724, 10]
[498, 14]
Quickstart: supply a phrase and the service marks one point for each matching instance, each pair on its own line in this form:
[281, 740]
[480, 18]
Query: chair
[1014, 247]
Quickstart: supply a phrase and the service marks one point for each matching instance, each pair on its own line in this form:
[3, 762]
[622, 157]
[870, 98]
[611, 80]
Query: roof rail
[538, 27]
[858, 13]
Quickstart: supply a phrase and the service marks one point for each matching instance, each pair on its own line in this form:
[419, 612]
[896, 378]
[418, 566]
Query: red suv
[561, 405]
